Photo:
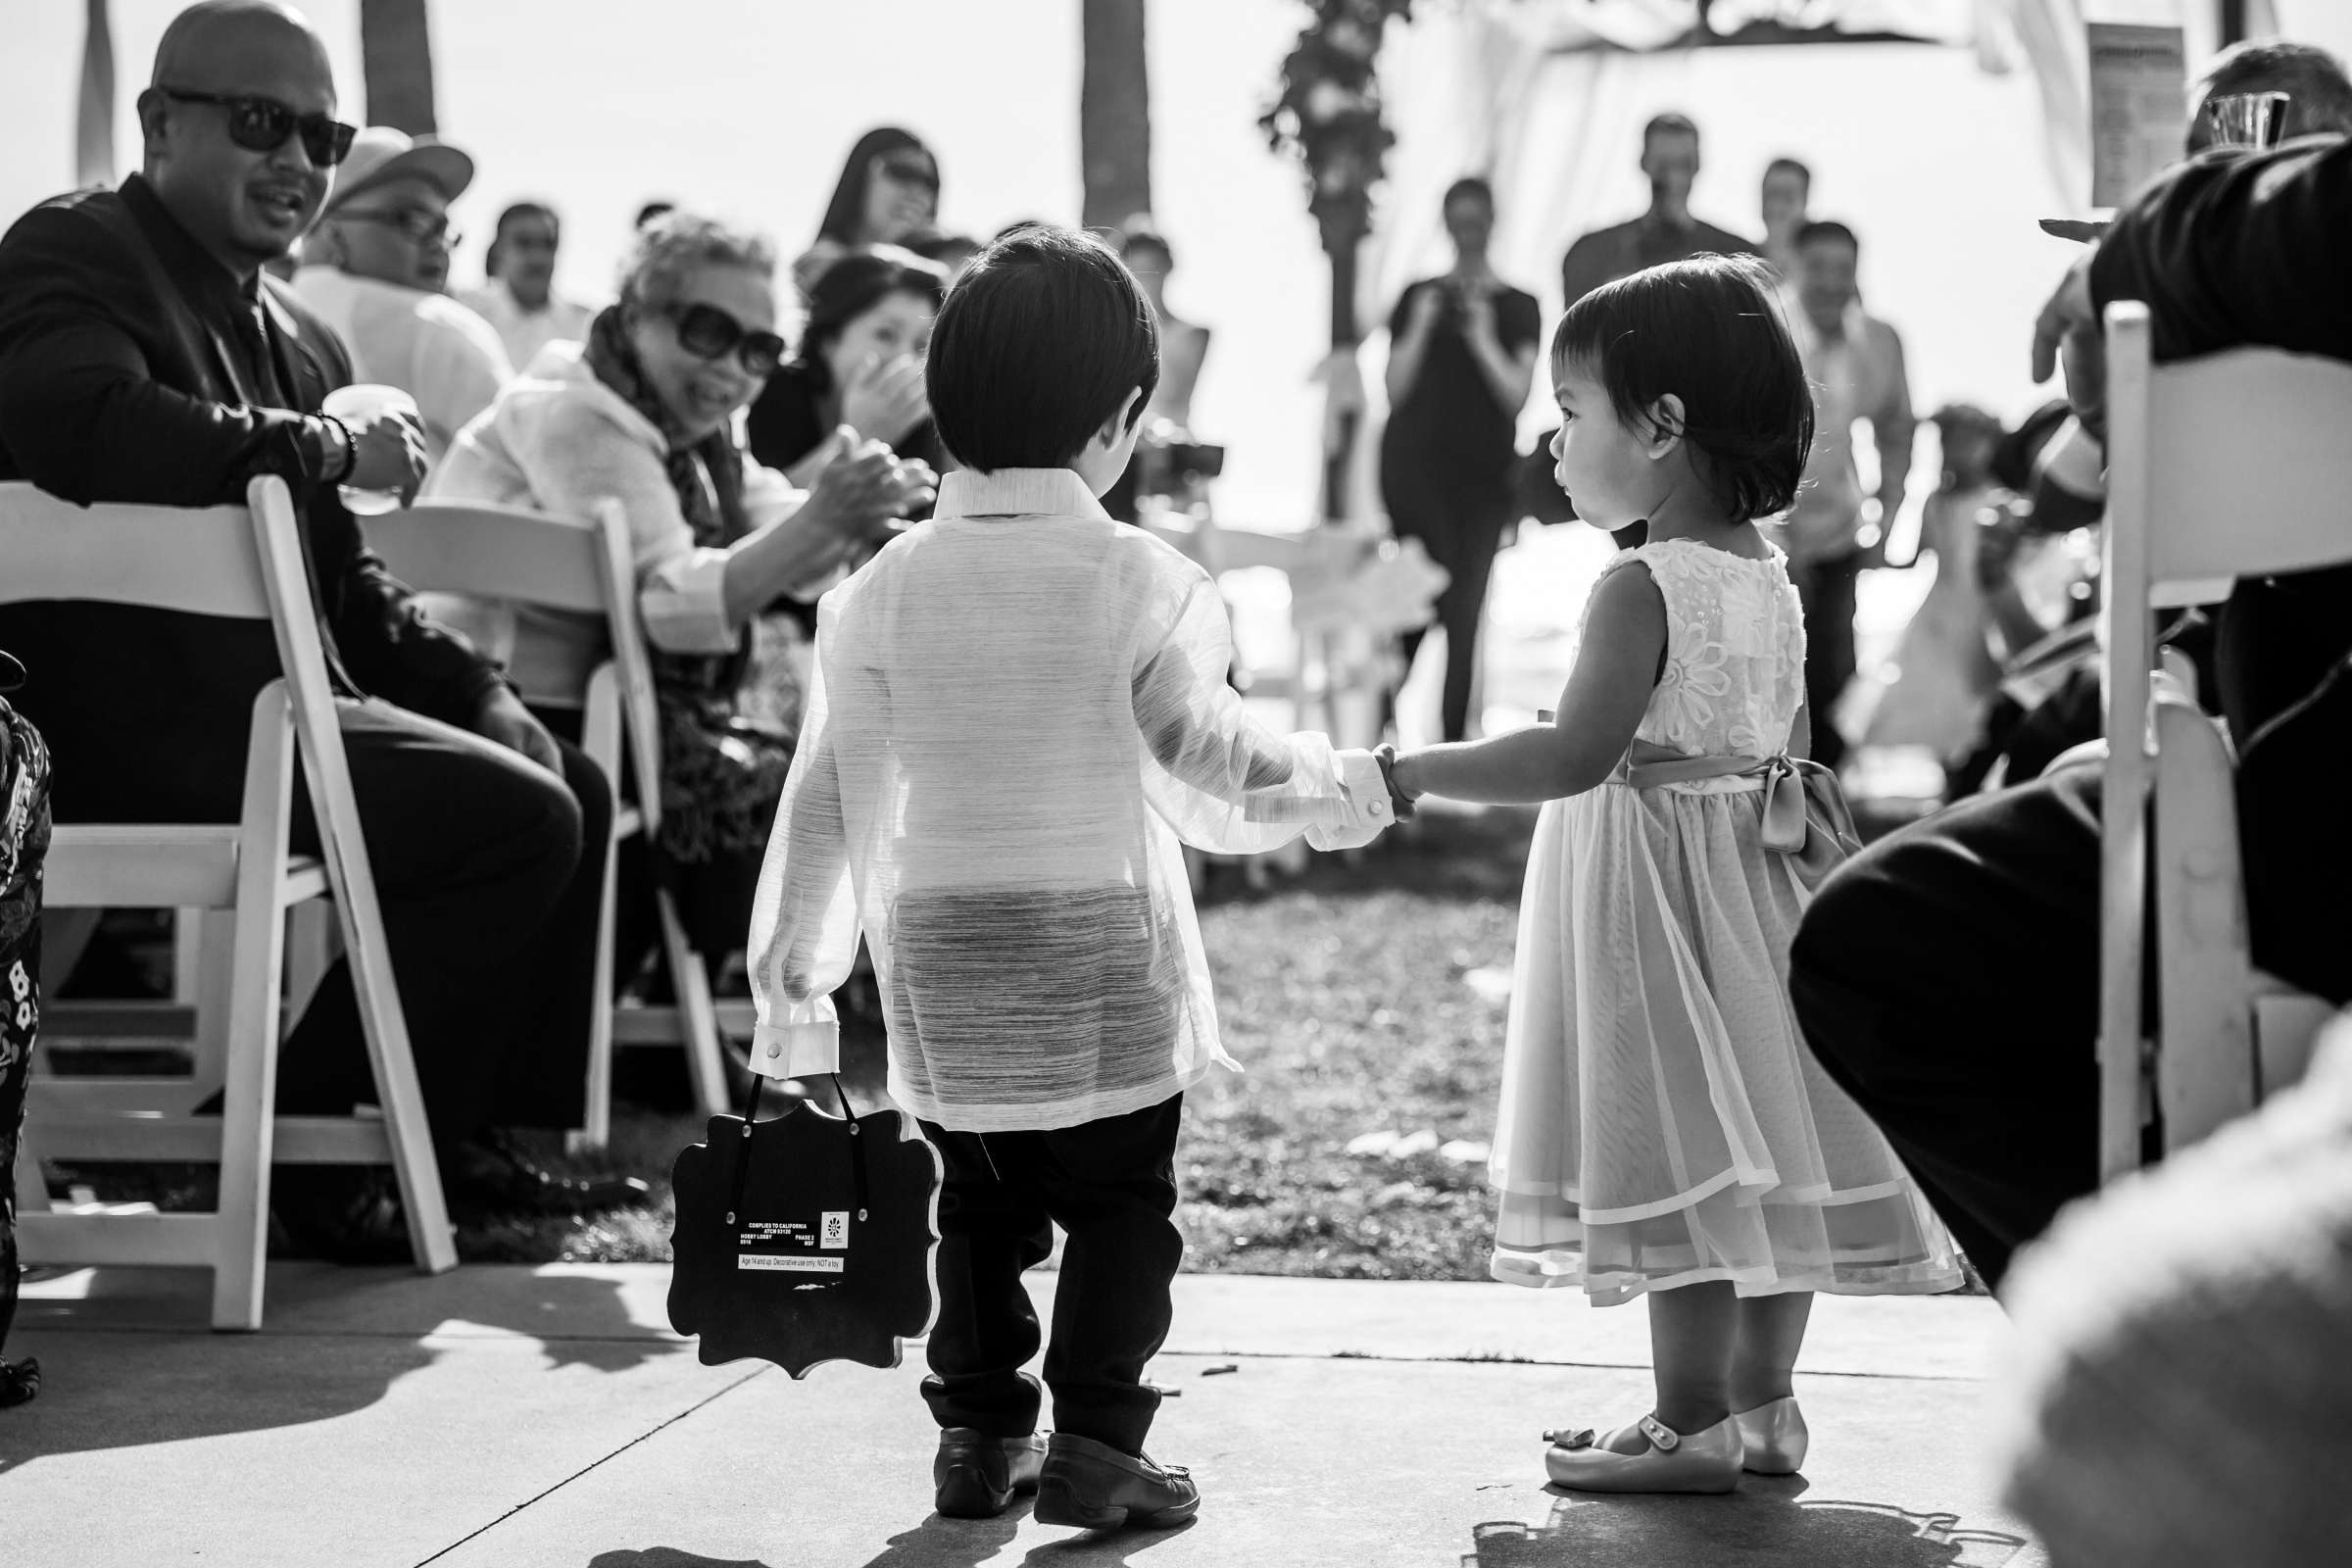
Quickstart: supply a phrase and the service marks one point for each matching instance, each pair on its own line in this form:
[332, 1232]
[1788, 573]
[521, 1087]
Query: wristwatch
[1397, 799]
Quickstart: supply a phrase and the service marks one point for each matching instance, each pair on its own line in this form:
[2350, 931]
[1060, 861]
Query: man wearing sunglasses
[377, 267]
[144, 359]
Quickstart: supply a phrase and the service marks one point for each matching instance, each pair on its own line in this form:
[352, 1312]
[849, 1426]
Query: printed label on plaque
[789, 1263]
[794, 1245]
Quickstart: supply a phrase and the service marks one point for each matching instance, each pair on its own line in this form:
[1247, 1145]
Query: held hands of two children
[1364, 783]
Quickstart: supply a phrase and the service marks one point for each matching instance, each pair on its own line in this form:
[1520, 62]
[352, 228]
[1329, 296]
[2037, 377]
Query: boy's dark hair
[1037, 345]
[1468, 185]
[1789, 165]
[1710, 331]
[854, 285]
[1824, 229]
[651, 210]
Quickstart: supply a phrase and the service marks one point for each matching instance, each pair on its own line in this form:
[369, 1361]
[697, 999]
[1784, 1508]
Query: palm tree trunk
[1114, 114]
[95, 124]
[396, 51]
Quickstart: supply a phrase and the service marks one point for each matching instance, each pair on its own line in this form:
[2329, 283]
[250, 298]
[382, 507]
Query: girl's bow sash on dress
[1805, 815]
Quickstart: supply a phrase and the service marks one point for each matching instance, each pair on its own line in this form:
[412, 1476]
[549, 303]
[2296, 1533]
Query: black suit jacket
[2235, 249]
[134, 368]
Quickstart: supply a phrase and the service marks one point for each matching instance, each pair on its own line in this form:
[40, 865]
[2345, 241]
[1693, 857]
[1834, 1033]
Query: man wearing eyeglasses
[377, 267]
[143, 357]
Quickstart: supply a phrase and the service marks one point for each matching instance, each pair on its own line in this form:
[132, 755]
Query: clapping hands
[864, 488]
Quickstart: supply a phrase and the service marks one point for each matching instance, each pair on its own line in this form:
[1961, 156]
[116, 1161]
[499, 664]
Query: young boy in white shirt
[1020, 708]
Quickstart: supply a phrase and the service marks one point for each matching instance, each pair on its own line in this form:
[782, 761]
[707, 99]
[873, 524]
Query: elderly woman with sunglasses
[644, 413]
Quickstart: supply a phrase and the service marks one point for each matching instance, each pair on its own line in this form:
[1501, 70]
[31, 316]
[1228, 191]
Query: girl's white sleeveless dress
[1662, 1123]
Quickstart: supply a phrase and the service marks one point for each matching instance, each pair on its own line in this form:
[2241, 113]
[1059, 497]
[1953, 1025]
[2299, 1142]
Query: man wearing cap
[143, 357]
[377, 267]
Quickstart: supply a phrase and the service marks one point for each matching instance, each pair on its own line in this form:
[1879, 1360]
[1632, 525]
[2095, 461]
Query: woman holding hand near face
[859, 367]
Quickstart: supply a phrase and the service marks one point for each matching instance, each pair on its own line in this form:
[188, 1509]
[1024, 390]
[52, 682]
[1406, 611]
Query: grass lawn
[1366, 996]
[1344, 999]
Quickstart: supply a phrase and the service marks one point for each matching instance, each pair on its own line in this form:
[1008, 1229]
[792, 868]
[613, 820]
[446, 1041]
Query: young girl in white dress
[1664, 1131]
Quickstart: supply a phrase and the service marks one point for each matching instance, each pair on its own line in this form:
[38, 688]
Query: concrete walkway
[521, 1417]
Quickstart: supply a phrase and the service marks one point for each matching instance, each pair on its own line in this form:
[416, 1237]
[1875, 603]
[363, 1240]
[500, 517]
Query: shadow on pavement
[669, 1558]
[1761, 1526]
[131, 1363]
[943, 1542]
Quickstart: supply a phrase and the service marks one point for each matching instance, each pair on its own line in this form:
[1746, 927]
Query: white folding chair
[246, 562]
[584, 568]
[2230, 465]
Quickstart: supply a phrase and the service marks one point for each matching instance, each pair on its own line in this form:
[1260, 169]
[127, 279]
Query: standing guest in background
[1461, 356]
[954, 252]
[888, 194]
[519, 298]
[1855, 364]
[1787, 191]
[858, 373]
[1183, 350]
[643, 414]
[375, 268]
[1667, 233]
[2319, 96]
[143, 359]
[1183, 345]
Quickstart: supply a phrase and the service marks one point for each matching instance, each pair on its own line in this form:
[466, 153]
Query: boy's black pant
[1111, 1185]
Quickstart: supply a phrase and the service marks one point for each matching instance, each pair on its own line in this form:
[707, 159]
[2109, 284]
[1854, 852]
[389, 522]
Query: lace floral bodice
[1735, 668]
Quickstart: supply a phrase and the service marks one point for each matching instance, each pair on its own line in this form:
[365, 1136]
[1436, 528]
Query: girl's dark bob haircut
[1709, 330]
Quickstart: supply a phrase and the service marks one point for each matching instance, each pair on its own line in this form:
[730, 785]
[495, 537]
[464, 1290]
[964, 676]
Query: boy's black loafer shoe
[1095, 1487]
[976, 1475]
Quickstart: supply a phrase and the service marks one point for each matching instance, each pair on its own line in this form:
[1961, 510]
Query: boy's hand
[1368, 807]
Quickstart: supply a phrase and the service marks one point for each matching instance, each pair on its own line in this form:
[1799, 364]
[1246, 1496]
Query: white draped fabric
[1515, 91]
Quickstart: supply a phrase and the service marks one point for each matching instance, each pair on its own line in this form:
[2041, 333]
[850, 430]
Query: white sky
[747, 107]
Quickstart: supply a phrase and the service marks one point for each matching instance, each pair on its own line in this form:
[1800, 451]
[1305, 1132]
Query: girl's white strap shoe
[1774, 1436]
[1674, 1462]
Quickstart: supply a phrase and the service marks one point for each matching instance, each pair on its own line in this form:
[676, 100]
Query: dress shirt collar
[1034, 492]
[198, 272]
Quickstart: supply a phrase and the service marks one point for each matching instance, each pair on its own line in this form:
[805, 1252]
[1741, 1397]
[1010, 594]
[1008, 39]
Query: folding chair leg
[249, 1103]
[257, 956]
[596, 1128]
[212, 937]
[187, 955]
[697, 1014]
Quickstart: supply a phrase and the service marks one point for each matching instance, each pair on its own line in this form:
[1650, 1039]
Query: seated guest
[860, 365]
[643, 413]
[2318, 95]
[1948, 975]
[375, 268]
[519, 297]
[144, 359]
[2182, 1362]
[888, 194]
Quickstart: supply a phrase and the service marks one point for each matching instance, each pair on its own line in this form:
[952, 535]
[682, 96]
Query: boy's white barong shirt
[1019, 707]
